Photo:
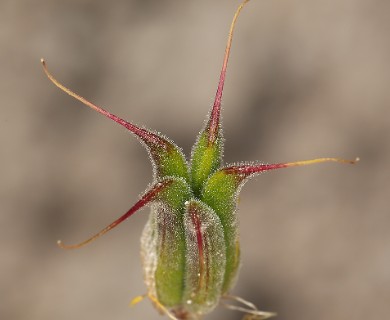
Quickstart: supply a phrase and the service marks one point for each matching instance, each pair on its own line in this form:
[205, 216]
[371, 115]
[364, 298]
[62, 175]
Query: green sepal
[220, 192]
[167, 158]
[163, 244]
[206, 158]
[205, 258]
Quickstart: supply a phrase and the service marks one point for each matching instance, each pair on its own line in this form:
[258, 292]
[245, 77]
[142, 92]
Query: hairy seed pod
[190, 245]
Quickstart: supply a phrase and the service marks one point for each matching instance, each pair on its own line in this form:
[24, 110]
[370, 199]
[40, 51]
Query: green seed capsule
[190, 245]
[205, 257]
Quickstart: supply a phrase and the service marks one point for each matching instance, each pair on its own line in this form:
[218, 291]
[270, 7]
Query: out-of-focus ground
[306, 79]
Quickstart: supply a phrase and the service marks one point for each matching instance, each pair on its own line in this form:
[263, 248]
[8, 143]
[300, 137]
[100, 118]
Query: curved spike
[247, 170]
[206, 155]
[215, 112]
[220, 192]
[146, 198]
[145, 135]
[168, 159]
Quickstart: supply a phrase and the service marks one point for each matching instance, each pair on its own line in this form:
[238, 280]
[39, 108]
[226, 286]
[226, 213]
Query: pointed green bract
[206, 158]
[167, 159]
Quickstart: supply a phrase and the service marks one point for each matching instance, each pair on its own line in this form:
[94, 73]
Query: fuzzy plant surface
[190, 245]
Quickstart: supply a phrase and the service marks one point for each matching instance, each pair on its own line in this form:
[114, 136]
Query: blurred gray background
[306, 79]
